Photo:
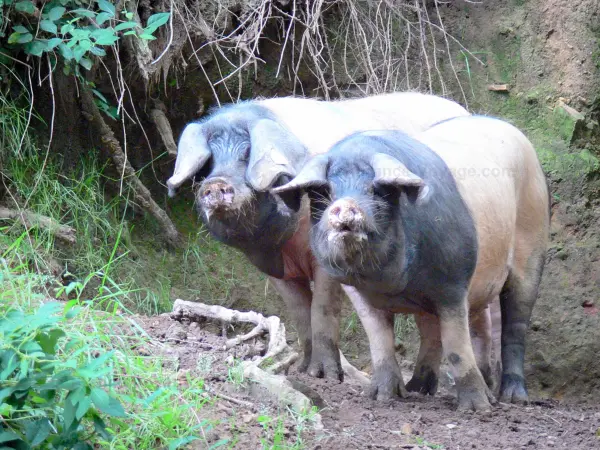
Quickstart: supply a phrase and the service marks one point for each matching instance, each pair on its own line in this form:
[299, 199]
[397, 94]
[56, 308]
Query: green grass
[159, 413]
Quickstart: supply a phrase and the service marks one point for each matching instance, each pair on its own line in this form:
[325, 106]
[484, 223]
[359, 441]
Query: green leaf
[84, 13]
[107, 404]
[25, 38]
[78, 52]
[69, 414]
[26, 7]
[147, 37]
[37, 48]
[49, 26]
[14, 38]
[83, 407]
[48, 340]
[100, 428]
[98, 51]
[129, 33]
[85, 44]
[129, 15]
[65, 51]
[70, 385]
[100, 398]
[126, 26]
[103, 17]
[105, 36]
[106, 6]
[66, 28]
[158, 20]
[37, 431]
[86, 63]
[56, 13]
[99, 95]
[53, 43]
[6, 392]
[8, 436]
[20, 29]
[173, 445]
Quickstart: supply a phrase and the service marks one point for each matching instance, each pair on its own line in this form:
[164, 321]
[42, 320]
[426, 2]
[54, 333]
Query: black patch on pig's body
[454, 359]
[427, 249]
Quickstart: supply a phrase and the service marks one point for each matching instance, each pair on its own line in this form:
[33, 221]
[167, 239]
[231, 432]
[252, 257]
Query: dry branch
[164, 129]
[30, 219]
[112, 145]
[278, 358]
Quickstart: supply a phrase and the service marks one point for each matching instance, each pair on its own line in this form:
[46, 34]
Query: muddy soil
[351, 420]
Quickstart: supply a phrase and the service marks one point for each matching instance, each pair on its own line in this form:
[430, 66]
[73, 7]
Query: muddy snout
[346, 218]
[216, 194]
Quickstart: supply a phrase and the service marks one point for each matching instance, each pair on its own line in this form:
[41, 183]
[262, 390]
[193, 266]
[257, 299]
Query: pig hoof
[386, 385]
[513, 390]
[303, 367]
[324, 370]
[476, 401]
[425, 383]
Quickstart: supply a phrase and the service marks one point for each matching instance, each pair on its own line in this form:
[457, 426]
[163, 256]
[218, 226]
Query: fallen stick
[263, 371]
[353, 373]
[30, 219]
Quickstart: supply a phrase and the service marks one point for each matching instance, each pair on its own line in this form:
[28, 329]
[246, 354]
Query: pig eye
[245, 154]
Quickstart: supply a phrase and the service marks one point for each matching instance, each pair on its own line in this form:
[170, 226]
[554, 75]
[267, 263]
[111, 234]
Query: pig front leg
[325, 319]
[426, 374]
[473, 393]
[297, 297]
[386, 381]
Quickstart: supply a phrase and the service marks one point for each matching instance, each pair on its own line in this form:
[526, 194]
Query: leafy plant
[51, 391]
[78, 31]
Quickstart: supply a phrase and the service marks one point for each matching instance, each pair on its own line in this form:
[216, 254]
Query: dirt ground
[352, 421]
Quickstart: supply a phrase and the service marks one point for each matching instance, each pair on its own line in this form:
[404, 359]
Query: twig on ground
[30, 219]
[232, 399]
[279, 355]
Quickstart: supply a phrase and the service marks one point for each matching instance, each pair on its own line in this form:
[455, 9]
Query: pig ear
[274, 152]
[192, 154]
[391, 172]
[312, 175]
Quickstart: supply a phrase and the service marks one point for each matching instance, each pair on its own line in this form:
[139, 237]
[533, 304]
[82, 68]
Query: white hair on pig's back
[319, 124]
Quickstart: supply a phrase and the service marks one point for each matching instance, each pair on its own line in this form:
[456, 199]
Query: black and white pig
[439, 225]
[241, 151]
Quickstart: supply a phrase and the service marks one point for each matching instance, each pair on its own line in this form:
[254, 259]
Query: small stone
[406, 428]
[451, 426]
[247, 418]
[536, 326]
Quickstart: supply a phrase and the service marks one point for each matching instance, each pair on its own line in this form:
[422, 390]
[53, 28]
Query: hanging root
[30, 219]
[263, 371]
[111, 144]
[164, 128]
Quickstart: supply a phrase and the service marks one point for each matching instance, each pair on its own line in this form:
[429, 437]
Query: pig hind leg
[517, 299]
[481, 337]
[426, 374]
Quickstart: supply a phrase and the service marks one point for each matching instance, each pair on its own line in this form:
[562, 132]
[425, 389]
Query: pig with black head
[440, 225]
[239, 152]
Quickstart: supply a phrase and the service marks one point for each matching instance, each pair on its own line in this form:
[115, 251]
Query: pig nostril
[336, 211]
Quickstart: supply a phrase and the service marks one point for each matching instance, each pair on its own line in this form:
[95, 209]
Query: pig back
[319, 124]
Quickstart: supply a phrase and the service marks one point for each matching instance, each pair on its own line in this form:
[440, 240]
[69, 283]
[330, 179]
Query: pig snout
[346, 216]
[216, 194]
